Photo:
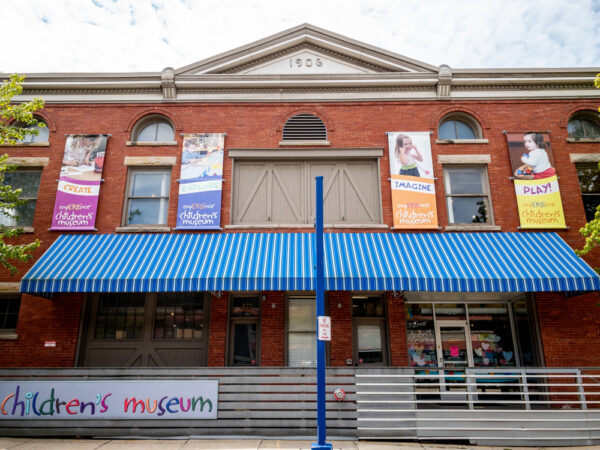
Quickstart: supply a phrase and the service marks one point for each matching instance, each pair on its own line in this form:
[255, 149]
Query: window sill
[584, 157]
[27, 144]
[143, 229]
[8, 336]
[461, 141]
[583, 140]
[310, 226]
[158, 161]
[464, 159]
[26, 230]
[473, 228]
[150, 144]
[304, 143]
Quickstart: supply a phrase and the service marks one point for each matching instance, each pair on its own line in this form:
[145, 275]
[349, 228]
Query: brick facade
[568, 326]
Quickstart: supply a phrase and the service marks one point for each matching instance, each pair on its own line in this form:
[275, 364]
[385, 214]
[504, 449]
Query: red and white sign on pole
[324, 328]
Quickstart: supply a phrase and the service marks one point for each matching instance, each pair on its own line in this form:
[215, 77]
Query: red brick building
[345, 98]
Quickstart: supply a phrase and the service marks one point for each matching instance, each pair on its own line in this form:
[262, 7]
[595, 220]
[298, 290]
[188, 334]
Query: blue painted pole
[321, 406]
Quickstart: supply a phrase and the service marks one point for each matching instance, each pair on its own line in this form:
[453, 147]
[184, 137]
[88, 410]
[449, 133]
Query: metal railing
[490, 406]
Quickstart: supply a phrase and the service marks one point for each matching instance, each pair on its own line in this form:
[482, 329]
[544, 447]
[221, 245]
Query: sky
[149, 35]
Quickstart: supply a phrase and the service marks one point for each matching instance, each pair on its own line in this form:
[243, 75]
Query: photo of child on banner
[411, 170]
[200, 183]
[79, 183]
[536, 183]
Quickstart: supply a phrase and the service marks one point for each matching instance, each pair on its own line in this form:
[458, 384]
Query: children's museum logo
[138, 399]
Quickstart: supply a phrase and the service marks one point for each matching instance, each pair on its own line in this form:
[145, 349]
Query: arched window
[584, 125]
[42, 135]
[304, 127]
[459, 126]
[153, 129]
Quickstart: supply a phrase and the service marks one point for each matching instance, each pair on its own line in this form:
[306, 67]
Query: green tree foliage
[591, 230]
[16, 122]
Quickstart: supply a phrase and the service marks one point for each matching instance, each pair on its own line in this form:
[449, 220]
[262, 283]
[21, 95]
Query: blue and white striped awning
[442, 262]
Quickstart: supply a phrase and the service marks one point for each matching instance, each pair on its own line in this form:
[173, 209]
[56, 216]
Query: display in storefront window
[491, 335]
[420, 335]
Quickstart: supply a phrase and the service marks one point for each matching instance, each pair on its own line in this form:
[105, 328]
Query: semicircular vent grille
[304, 127]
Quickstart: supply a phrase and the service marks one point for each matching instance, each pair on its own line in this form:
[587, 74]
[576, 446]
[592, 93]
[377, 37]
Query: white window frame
[164, 206]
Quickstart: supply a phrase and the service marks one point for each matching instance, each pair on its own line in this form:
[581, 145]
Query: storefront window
[179, 316]
[472, 334]
[491, 335]
[302, 323]
[420, 334]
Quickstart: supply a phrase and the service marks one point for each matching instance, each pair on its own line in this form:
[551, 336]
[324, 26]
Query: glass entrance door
[454, 355]
[453, 348]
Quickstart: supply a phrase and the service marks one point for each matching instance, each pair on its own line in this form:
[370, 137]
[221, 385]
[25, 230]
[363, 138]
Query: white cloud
[142, 35]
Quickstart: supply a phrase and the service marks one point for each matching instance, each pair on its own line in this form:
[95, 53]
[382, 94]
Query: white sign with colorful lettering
[135, 399]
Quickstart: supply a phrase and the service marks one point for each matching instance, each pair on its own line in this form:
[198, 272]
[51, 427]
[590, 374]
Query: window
[459, 126]
[147, 197]
[179, 316]
[304, 127]
[41, 137]
[486, 334]
[9, 313]
[584, 125]
[154, 129]
[302, 326]
[28, 180]
[282, 192]
[589, 182]
[120, 316]
[467, 195]
[368, 315]
[244, 331]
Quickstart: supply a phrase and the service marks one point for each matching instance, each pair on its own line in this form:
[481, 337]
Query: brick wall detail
[41, 320]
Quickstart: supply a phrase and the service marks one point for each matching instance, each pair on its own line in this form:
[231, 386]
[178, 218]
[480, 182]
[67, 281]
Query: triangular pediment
[307, 50]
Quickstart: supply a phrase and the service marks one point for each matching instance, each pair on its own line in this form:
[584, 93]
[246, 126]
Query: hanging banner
[200, 183]
[79, 183]
[413, 189]
[536, 184]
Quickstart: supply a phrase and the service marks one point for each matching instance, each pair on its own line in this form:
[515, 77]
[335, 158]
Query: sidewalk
[241, 444]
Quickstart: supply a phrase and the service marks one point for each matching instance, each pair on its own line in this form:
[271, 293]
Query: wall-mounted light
[273, 305]
[339, 305]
